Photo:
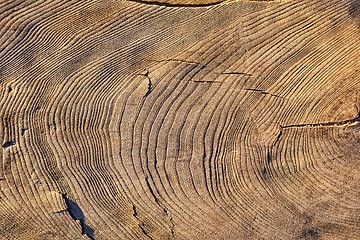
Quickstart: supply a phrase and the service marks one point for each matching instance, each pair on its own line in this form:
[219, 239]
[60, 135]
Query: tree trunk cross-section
[179, 119]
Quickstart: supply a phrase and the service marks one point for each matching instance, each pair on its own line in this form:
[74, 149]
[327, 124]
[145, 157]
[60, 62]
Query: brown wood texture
[179, 119]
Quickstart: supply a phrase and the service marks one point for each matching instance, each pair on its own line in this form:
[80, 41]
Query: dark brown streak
[237, 73]
[201, 81]
[166, 4]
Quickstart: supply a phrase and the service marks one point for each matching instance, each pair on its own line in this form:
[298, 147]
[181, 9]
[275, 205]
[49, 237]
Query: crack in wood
[193, 5]
[77, 214]
[204, 81]
[344, 123]
[23, 130]
[279, 136]
[134, 211]
[167, 4]
[8, 144]
[150, 84]
[263, 92]
[171, 225]
[142, 227]
[152, 191]
[238, 73]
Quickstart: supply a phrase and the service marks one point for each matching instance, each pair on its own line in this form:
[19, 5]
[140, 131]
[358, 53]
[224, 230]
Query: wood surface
[181, 119]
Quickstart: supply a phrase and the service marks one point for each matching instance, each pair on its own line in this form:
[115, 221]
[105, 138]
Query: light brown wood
[179, 119]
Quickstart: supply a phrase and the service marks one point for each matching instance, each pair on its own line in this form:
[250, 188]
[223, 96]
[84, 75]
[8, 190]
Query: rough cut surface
[179, 120]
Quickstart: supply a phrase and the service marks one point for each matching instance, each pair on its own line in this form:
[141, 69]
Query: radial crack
[263, 92]
[344, 123]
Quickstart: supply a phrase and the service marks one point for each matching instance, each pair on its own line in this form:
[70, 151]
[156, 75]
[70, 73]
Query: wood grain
[179, 119]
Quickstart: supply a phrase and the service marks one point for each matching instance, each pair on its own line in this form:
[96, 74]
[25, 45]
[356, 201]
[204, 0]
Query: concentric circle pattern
[135, 120]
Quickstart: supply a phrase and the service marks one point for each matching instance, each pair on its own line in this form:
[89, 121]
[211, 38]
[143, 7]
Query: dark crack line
[279, 136]
[135, 212]
[270, 149]
[152, 191]
[141, 224]
[263, 92]
[172, 227]
[166, 4]
[192, 5]
[149, 87]
[237, 73]
[355, 120]
[142, 227]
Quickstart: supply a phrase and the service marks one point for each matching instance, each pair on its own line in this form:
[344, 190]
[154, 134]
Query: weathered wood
[179, 119]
